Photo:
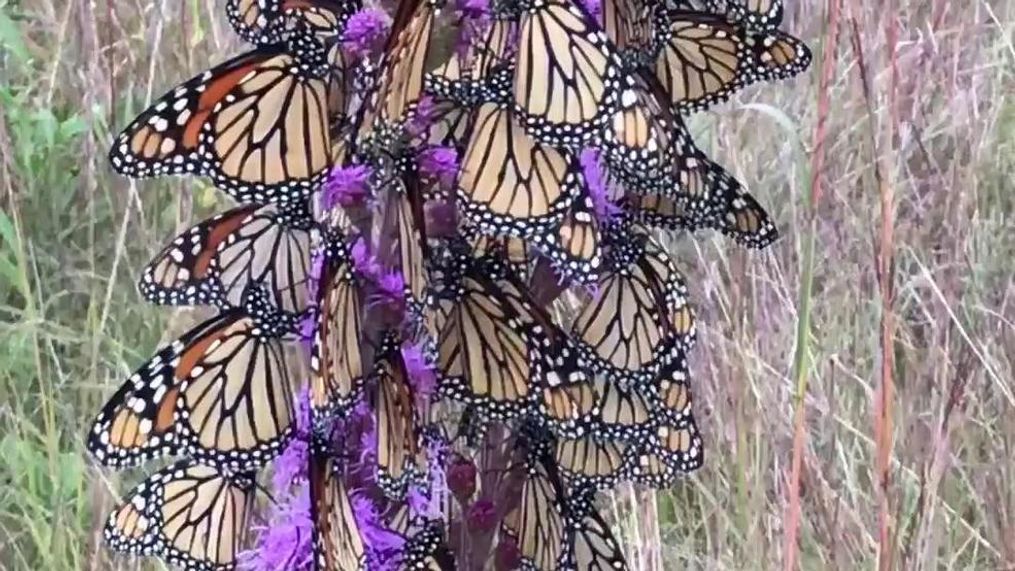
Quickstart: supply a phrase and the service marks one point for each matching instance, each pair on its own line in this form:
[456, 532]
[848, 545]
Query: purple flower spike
[287, 542]
[440, 164]
[592, 168]
[347, 186]
[365, 32]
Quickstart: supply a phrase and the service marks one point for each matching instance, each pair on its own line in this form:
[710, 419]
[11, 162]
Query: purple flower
[291, 465]
[594, 8]
[423, 115]
[422, 375]
[391, 292]
[365, 32]
[475, 19]
[308, 327]
[419, 503]
[592, 169]
[286, 542]
[347, 186]
[439, 163]
[474, 9]
[384, 546]
[363, 260]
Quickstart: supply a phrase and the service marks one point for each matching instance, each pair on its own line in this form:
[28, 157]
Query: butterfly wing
[338, 543]
[567, 74]
[218, 259]
[257, 125]
[188, 514]
[221, 394]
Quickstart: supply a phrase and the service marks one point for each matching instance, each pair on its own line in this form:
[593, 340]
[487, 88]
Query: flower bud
[461, 476]
[482, 516]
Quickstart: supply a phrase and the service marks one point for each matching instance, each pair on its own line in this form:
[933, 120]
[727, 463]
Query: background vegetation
[854, 382]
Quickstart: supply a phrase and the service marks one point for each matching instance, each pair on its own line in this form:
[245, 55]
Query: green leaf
[10, 37]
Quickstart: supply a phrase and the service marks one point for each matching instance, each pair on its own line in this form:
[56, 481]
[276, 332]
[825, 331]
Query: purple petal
[439, 163]
[365, 32]
[287, 541]
[597, 185]
[346, 186]
[364, 261]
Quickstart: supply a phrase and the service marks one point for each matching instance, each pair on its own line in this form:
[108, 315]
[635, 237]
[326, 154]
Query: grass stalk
[802, 350]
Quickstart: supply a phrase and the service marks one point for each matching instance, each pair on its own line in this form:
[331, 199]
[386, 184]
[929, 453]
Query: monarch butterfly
[552, 527]
[593, 461]
[340, 72]
[214, 262]
[336, 356]
[402, 70]
[694, 192]
[448, 125]
[606, 409]
[567, 76]
[705, 58]
[495, 347]
[257, 125]
[188, 514]
[729, 208]
[400, 458]
[629, 25]
[472, 77]
[639, 315]
[574, 248]
[427, 551]
[669, 452]
[516, 252]
[538, 524]
[510, 184]
[338, 543]
[757, 14]
[674, 394]
[643, 147]
[268, 21]
[593, 546]
[405, 215]
[221, 394]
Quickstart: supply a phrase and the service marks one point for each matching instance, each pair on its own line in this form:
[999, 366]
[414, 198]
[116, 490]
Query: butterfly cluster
[445, 318]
